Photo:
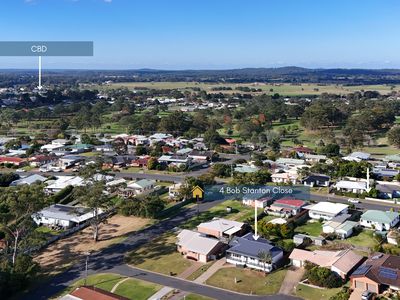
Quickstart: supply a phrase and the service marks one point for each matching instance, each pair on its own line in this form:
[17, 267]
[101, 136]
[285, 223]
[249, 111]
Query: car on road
[20, 170]
[351, 200]
[367, 295]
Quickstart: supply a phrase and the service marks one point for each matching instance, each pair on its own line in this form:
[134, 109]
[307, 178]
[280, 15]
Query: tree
[146, 207]
[19, 204]
[120, 146]
[393, 136]
[92, 195]
[152, 163]
[264, 257]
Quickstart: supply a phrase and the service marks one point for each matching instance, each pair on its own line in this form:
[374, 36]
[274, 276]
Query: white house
[286, 178]
[62, 182]
[326, 210]
[379, 220]
[141, 187]
[31, 179]
[259, 203]
[64, 216]
[356, 187]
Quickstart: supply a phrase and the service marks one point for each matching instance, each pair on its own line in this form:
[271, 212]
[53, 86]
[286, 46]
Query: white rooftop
[328, 207]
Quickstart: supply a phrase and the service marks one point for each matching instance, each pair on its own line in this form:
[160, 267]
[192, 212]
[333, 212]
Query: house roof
[92, 293]
[143, 183]
[314, 178]
[328, 207]
[387, 188]
[196, 242]
[221, 225]
[248, 246]
[360, 155]
[289, 202]
[29, 179]
[380, 268]
[380, 216]
[344, 260]
[347, 184]
[65, 212]
[291, 161]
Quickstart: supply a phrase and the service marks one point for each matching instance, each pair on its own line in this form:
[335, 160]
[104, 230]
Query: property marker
[40, 73]
[255, 235]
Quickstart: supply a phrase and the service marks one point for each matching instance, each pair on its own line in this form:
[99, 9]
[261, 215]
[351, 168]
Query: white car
[351, 200]
[20, 170]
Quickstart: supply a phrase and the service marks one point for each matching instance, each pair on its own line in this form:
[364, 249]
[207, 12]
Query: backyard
[313, 228]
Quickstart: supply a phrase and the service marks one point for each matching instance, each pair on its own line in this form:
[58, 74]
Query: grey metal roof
[250, 247]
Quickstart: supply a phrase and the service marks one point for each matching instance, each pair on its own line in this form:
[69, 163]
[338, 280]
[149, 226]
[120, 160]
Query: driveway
[292, 278]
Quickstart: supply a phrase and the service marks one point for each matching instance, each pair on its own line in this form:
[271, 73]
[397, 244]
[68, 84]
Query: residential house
[314, 158]
[40, 160]
[342, 262]
[194, 245]
[91, 293]
[247, 252]
[16, 161]
[286, 207]
[69, 161]
[173, 190]
[300, 238]
[326, 210]
[378, 273]
[176, 160]
[140, 187]
[29, 180]
[356, 187]
[388, 190]
[202, 155]
[62, 182]
[222, 228]
[244, 168]
[302, 150]
[65, 216]
[286, 178]
[384, 173]
[290, 162]
[379, 220]
[317, 180]
[340, 226]
[256, 202]
[54, 145]
[357, 156]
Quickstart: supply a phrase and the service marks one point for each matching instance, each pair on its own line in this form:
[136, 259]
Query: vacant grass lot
[310, 228]
[239, 213]
[248, 281]
[310, 293]
[159, 255]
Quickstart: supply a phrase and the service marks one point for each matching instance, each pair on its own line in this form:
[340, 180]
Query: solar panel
[361, 270]
[387, 273]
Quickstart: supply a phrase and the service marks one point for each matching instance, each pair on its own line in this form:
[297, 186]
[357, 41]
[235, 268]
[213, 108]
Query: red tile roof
[11, 159]
[93, 293]
[290, 202]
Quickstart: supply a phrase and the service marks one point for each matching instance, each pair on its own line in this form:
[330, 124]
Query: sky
[208, 34]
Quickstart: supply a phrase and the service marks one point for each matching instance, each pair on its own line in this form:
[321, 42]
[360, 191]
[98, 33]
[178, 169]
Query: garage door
[359, 284]
[372, 288]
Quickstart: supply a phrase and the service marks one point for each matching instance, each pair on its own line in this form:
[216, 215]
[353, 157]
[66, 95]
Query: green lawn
[310, 293]
[310, 228]
[363, 239]
[132, 288]
[159, 255]
[248, 281]
[239, 213]
[200, 271]
[137, 289]
[196, 297]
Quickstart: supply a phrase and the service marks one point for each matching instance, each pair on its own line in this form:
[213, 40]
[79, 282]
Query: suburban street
[112, 260]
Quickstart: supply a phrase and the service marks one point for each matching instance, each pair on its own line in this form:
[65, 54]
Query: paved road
[111, 259]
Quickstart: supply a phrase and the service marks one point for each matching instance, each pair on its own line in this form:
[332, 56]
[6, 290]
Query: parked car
[351, 200]
[367, 295]
[20, 170]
